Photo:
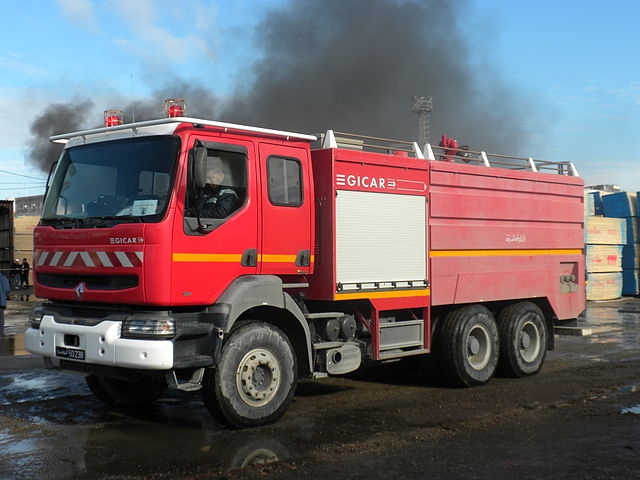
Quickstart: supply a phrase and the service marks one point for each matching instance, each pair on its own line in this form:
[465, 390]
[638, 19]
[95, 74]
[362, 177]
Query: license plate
[71, 353]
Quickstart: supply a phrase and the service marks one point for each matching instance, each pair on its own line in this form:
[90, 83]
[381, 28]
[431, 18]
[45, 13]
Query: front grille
[93, 282]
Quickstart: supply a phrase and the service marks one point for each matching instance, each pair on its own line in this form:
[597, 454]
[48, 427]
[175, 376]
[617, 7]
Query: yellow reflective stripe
[207, 257]
[231, 258]
[273, 258]
[423, 292]
[502, 253]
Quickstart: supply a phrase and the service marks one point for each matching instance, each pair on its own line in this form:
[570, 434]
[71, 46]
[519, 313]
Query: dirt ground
[578, 418]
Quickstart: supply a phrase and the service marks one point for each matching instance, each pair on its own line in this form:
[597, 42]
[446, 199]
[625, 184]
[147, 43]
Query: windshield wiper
[58, 222]
[114, 219]
[91, 222]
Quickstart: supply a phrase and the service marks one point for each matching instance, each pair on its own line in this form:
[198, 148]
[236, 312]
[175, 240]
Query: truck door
[217, 242]
[285, 223]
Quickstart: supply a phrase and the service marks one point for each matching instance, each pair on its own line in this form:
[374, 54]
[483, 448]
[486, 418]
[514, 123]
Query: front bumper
[101, 344]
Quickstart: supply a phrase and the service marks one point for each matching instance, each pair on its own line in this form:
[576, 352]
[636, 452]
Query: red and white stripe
[89, 259]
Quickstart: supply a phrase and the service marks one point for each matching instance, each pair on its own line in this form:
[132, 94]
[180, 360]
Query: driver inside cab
[218, 199]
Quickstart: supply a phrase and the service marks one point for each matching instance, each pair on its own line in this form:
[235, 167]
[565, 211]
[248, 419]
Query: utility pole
[423, 106]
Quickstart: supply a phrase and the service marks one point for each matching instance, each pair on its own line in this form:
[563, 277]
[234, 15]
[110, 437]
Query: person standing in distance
[24, 274]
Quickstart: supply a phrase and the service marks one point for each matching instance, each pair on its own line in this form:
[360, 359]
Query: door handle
[249, 258]
[303, 259]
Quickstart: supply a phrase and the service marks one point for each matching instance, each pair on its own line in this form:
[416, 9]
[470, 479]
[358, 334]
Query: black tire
[111, 391]
[255, 378]
[468, 346]
[523, 340]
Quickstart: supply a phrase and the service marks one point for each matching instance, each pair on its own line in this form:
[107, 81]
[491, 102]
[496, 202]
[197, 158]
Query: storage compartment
[381, 241]
[403, 334]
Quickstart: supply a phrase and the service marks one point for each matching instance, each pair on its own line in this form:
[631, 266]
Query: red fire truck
[200, 255]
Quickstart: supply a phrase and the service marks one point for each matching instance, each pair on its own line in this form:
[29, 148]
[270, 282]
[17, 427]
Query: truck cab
[142, 263]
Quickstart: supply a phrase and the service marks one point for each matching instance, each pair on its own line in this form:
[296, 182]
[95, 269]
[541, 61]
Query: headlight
[35, 317]
[150, 327]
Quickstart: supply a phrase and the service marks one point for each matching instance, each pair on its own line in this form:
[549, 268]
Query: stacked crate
[624, 205]
[604, 239]
[593, 203]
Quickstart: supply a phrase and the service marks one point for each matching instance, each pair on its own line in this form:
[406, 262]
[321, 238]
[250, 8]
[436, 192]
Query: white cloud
[13, 144]
[166, 31]
[17, 64]
[24, 107]
[81, 13]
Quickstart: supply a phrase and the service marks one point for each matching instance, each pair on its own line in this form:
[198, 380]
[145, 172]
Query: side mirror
[199, 167]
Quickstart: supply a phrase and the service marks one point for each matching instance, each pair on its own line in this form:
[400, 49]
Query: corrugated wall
[6, 234]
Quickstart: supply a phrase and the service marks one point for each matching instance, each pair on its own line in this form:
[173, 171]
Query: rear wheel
[468, 346]
[523, 340]
[113, 391]
[255, 378]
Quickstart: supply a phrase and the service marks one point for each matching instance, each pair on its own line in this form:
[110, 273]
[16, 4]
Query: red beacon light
[113, 118]
[175, 107]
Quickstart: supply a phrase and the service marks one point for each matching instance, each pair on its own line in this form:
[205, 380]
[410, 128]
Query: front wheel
[523, 340]
[468, 346]
[255, 378]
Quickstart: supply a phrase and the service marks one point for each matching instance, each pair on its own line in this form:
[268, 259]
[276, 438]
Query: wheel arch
[290, 325]
[261, 297]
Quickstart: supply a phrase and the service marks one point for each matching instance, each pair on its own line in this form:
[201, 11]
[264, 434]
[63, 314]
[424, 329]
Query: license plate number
[71, 353]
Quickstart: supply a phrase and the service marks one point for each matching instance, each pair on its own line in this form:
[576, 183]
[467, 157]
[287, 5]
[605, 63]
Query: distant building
[29, 206]
[604, 188]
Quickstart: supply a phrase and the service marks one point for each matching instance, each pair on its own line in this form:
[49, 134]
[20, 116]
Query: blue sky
[576, 62]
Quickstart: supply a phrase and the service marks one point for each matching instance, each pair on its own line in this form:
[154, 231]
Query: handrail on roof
[195, 121]
[332, 139]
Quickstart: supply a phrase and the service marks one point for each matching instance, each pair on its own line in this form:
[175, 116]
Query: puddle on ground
[38, 386]
[614, 325]
[635, 410]
[68, 433]
[630, 389]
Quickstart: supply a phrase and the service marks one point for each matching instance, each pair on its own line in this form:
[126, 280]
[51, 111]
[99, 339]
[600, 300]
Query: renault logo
[80, 289]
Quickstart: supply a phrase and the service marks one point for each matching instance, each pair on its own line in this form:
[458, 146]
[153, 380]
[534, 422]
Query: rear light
[175, 107]
[113, 118]
[149, 326]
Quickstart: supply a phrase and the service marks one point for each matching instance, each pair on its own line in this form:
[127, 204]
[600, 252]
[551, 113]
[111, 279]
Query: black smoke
[55, 119]
[354, 65]
[78, 115]
[200, 102]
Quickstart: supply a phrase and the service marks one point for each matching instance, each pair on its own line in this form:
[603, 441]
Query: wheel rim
[258, 377]
[478, 347]
[529, 341]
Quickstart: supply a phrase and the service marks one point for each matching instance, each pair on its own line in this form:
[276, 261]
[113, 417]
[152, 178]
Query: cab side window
[225, 189]
[285, 181]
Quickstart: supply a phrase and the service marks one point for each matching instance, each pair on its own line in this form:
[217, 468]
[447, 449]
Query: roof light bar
[113, 118]
[175, 107]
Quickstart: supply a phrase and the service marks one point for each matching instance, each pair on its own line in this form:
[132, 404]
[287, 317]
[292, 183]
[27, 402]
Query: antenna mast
[423, 106]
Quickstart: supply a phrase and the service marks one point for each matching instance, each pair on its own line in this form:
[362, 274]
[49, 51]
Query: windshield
[120, 181]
